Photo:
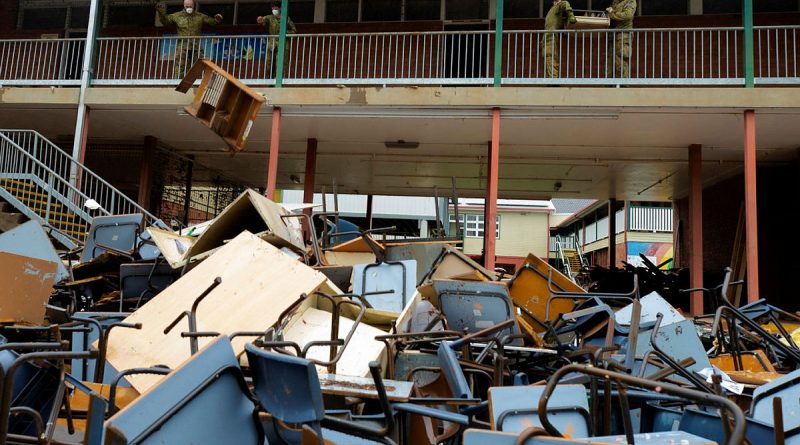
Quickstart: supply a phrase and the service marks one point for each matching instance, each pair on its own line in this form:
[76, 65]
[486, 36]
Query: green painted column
[747, 23]
[282, 43]
[498, 43]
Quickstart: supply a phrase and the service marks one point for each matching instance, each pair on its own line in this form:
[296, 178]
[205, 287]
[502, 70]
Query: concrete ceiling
[630, 153]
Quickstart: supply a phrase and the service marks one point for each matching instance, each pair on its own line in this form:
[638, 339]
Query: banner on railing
[217, 48]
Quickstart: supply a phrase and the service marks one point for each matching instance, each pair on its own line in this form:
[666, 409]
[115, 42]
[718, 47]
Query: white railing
[41, 61]
[681, 56]
[650, 219]
[86, 183]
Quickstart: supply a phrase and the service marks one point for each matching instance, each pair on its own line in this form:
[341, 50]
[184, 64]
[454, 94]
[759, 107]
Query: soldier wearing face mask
[189, 23]
[273, 25]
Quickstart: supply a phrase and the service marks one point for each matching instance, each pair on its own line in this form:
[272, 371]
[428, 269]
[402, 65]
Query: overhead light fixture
[295, 179]
[400, 143]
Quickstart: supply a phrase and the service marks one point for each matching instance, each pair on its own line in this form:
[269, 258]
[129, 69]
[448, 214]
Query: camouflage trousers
[550, 48]
[186, 53]
[618, 56]
[272, 55]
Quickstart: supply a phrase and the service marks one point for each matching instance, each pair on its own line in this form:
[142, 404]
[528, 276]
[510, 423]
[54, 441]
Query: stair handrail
[560, 247]
[53, 175]
[581, 257]
[113, 197]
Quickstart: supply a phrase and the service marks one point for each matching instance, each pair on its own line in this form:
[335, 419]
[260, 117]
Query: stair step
[60, 223]
[53, 204]
[76, 233]
[27, 184]
[18, 191]
[43, 211]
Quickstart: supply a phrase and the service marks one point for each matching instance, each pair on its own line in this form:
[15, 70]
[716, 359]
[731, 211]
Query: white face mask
[189, 10]
[275, 12]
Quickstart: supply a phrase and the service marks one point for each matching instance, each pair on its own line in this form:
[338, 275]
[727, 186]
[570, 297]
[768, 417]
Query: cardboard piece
[314, 324]
[30, 240]
[258, 283]
[26, 287]
[528, 288]
[251, 212]
[172, 245]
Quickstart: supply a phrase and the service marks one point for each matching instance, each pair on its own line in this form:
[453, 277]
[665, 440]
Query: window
[722, 7]
[341, 11]
[141, 15]
[519, 9]
[79, 17]
[44, 18]
[381, 10]
[775, 6]
[665, 7]
[473, 225]
[212, 9]
[467, 9]
[423, 9]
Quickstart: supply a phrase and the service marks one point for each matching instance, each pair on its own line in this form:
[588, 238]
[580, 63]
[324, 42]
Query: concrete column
[310, 173]
[490, 205]
[696, 226]
[750, 207]
[274, 146]
[146, 171]
[612, 233]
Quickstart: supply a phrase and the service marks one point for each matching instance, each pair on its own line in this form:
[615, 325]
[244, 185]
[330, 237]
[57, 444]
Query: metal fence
[41, 61]
[86, 184]
[685, 56]
[651, 219]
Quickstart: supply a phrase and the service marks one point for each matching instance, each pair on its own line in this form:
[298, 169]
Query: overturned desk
[364, 387]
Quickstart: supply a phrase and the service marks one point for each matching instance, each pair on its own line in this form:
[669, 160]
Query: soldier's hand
[218, 18]
[161, 7]
[260, 20]
[609, 10]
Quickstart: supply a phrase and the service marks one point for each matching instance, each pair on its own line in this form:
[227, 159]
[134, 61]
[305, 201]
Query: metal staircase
[35, 179]
[571, 255]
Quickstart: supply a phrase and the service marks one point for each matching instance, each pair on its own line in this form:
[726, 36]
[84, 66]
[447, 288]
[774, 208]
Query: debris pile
[251, 331]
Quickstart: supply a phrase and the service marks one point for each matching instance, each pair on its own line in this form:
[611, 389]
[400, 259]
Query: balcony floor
[598, 142]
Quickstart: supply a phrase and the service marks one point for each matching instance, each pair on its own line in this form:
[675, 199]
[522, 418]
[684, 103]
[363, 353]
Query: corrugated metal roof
[570, 206]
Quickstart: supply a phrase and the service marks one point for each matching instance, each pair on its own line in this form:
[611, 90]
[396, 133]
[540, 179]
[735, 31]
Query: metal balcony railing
[681, 56]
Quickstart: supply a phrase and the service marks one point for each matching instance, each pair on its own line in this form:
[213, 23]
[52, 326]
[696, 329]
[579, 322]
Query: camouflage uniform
[618, 61]
[556, 18]
[188, 25]
[273, 25]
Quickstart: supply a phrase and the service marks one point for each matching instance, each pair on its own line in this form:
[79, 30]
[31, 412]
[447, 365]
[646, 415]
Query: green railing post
[282, 43]
[747, 23]
[498, 43]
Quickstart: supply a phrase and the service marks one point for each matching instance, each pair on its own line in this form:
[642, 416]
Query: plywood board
[529, 289]
[172, 245]
[348, 258]
[30, 240]
[314, 324]
[258, 283]
[25, 287]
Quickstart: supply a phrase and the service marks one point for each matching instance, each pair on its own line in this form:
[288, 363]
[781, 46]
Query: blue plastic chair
[205, 400]
[288, 388]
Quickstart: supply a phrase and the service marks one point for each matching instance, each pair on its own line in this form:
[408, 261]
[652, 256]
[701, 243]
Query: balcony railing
[686, 56]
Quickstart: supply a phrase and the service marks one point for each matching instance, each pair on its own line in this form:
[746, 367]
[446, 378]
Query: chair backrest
[788, 390]
[286, 386]
[474, 306]
[515, 408]
[709, 426]
[205, 400]
[451, 368]
[120, 232]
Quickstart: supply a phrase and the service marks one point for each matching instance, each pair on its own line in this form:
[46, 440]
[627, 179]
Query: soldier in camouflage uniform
[621, 13]
[189, 23]
[556, 18]
[273, 25]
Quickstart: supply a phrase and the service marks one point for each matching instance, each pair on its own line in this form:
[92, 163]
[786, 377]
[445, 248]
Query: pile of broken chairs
[256, 338]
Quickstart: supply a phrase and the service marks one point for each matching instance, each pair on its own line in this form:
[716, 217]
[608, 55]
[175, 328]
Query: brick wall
[778, 207]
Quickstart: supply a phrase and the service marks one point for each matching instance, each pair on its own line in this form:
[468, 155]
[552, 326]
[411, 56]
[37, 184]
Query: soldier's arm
[626, 12]
[164, 18]
[210, 20]
[290, 28]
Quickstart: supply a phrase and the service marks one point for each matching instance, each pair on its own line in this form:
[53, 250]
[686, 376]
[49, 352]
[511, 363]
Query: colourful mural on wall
[657, 253]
